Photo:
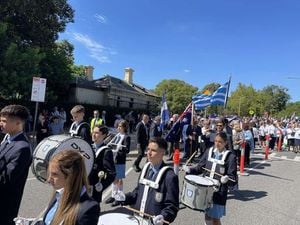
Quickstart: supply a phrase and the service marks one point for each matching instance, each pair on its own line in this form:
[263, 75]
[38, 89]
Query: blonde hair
[71, 164]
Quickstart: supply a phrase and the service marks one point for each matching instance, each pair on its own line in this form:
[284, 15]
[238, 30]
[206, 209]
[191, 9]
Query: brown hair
[124, 124]
[71, 164]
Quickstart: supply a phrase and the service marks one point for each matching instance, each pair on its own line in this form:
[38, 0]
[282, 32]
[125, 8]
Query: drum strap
[73, 131]
[216, 162]
[149, 184]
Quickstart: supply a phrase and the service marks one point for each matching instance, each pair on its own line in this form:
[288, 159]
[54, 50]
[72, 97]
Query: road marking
[108, 190]
[297, 158]
[32, 178]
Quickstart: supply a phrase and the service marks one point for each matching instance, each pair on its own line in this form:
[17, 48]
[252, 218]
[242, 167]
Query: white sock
[114, 190]
[208, 222]
[121, 188]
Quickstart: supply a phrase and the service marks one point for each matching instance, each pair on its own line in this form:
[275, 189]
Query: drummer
[157, 192]
[79, 127]
[217, 160]
[104, 162]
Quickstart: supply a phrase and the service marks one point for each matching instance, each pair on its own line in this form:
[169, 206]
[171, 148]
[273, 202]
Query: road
[269, 195]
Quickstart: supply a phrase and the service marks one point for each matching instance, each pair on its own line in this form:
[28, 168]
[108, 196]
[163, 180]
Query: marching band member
[104, 163]
[15, 160]
[70, 204]
[79, 127]
[157, 192]
[217, 160]
[122, 141]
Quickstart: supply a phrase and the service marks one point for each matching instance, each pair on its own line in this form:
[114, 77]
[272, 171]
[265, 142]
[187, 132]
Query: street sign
[251, 112]
[38, 89]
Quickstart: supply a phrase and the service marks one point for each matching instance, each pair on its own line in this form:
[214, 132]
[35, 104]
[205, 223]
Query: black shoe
[109, 200]
[115, 203]
[136, 168]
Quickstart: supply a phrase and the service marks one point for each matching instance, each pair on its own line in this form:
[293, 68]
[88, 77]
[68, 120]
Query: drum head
[53, 145]
[203, 181]
[117, 219]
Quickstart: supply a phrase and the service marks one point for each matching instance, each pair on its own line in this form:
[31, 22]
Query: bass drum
[51, 145]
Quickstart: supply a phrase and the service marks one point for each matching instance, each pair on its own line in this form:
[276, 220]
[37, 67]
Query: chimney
[128, 75]
[89, 70]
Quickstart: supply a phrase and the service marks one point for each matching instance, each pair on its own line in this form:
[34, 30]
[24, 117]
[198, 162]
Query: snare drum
[54, 144]
[197, 192]
[121, 219]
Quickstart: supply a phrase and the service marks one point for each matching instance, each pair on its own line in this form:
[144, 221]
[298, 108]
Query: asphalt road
[269, 195]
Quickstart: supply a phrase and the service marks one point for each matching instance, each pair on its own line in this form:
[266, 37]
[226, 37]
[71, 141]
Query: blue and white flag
[164, 112]
[201, 101]
[219, 97]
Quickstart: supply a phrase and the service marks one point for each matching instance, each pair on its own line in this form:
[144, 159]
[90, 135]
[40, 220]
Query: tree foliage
[178, 94]
[28, 47]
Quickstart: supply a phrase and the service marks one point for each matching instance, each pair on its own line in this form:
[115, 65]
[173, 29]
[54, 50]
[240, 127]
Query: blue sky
[199, 41]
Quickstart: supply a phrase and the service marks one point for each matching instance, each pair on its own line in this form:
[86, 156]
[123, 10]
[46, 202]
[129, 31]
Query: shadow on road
[246, 195]
[253, 172]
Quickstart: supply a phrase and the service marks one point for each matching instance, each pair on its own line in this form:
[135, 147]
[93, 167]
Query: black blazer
[142, 134]
[89, 211]
[122, 152]
[164, 200]
[15, 160]
[103, 162]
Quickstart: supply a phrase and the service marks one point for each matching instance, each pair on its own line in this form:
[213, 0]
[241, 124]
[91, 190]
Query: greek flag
[164, 112]
[219, 96]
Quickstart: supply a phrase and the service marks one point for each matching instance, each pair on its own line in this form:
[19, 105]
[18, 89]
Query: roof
[108, 81]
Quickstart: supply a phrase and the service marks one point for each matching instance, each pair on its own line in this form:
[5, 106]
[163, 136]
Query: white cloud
[100, 18]
[186, 71]
[96, 50]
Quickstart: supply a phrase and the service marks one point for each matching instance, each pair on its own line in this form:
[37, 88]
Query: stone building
[113, 92]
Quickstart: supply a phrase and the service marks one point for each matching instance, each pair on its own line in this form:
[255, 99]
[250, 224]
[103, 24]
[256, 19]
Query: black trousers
[141, 153]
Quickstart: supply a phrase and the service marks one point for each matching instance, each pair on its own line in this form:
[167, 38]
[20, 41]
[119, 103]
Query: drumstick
[188, 161]
[218, 174]
[145, 214]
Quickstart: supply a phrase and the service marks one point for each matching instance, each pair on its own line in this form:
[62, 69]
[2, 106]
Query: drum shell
[122, 219]
[197, 195]
[51, 145]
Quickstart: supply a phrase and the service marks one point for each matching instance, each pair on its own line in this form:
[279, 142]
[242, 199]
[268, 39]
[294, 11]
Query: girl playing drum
[218, 161]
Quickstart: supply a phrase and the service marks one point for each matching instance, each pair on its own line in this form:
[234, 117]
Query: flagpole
[192, 125]
[227, 92]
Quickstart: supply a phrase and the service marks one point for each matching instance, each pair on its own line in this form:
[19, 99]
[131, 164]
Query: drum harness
[74, 131]
[149, 184]
[216, 162]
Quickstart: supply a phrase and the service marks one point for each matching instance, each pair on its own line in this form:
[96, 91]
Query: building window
[118, 102]
[131, 103]
[148, 105]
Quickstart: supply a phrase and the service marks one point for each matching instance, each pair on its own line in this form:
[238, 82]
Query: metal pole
[34, 123]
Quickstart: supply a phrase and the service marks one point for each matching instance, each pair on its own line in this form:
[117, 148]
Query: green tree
[290, 109]
[78, 71]
[275, 98]
[35, 22]
[242, 100]
[57, 68]
[28, 31]
[178, 94]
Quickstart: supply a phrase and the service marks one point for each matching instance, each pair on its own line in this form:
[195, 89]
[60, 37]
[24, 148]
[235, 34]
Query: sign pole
[34, 123]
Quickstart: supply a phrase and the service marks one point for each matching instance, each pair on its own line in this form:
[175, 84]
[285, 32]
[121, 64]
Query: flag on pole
[219, 97]
[164, 112]
[184, 118]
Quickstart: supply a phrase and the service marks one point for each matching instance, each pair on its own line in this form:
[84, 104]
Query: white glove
[158, 220]
[120, 196]
[99, 187]
[224, 179]
[23, 221]
[186, 168]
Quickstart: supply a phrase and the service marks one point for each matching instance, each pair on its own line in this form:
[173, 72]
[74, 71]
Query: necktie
[150, 174]
[52, 211]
